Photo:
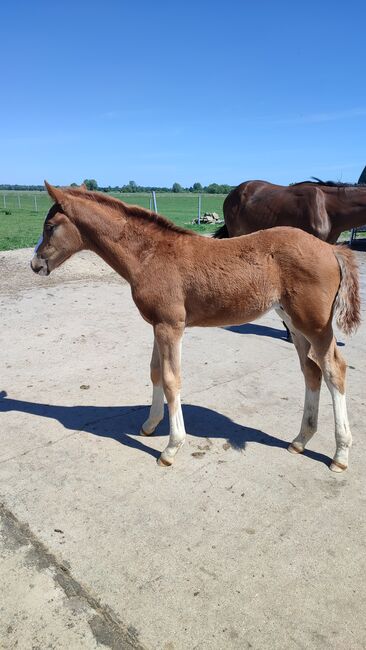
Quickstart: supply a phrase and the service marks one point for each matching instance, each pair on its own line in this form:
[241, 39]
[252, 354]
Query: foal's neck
[121, 241]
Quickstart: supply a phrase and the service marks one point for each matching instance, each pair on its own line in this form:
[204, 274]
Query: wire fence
[183, 208]
[29, 201]
[22, 213]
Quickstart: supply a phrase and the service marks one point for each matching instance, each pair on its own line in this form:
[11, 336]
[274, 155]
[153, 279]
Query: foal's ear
[55, 193]
[83, 187]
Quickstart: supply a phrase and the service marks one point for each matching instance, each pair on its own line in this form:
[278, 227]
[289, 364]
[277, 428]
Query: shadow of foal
[264, 330]
[120, 422]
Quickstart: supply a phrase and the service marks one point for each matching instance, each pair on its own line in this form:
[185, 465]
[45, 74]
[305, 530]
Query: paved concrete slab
[239, 545]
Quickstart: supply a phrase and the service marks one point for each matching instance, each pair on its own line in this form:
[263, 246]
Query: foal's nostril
[39, 265]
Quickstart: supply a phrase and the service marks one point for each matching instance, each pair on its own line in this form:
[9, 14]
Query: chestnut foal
[180, 279]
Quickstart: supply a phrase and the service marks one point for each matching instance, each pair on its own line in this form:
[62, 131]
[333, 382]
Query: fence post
[19, 205]
[154, 200]
[35, 203]
[199, 208]
[4, 200]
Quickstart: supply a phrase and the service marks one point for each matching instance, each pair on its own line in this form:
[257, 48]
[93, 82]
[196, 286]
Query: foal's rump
[318, 280]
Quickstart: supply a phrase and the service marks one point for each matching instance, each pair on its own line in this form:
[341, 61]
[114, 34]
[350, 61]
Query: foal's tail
[347, 303]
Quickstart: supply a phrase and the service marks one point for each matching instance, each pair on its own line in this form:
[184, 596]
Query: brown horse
[324, 209]
[180, 279]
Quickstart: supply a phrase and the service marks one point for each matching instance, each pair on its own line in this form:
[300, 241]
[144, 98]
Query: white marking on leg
[177, 432]
[156, 410]
[342, 430]
[309, 423]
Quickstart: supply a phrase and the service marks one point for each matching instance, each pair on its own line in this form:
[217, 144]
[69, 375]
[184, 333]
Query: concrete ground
[239, 545]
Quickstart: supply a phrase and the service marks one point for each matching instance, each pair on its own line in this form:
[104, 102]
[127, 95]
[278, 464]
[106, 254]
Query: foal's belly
[234, 300]
[225, 317]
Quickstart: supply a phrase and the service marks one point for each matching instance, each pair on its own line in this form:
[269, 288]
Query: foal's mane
[131, 211]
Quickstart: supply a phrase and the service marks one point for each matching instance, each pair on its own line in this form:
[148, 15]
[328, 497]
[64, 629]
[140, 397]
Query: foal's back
[236, 280]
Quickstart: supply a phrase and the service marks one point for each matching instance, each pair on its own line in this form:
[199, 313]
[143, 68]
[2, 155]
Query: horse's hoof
[164, 463]
[295, 448]
[144, 433]
[335, 466]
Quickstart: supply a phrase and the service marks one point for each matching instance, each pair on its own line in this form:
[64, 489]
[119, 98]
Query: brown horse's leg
[313, 377]
[157, 407]
[169, 340]
[334, 372]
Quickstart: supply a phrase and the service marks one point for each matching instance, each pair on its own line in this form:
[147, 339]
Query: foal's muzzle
[39, 265]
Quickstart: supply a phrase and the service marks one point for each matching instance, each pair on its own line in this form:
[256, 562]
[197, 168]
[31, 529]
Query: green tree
[177, 188]
[197, 187]
[213, 188]
[91, 184]
[132, 186]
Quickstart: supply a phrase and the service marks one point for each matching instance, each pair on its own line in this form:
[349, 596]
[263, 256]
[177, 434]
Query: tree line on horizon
[132, 188]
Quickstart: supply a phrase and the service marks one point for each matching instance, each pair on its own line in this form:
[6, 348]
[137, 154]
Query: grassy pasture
[20, 227]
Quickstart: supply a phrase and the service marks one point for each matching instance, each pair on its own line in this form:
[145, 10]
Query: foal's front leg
[169, 340]
[157, 407]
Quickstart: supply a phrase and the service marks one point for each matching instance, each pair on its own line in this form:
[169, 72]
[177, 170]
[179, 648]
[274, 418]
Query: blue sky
[159, 92]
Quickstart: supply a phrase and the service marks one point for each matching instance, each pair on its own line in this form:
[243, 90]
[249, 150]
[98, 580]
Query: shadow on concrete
[263, 330]
[123, 422]
[259, 330]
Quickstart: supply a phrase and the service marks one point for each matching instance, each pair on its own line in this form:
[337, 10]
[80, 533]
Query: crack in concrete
[228, 381]
[73, 433]
[47, 444]
[105, 623]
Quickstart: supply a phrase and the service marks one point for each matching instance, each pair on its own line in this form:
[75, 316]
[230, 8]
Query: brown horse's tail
[221, 233]
[347, 303]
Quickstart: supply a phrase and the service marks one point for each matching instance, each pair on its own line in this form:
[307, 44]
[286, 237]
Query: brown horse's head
[60, 238]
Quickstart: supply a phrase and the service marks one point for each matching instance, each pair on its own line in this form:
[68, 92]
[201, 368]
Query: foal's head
[60, 238]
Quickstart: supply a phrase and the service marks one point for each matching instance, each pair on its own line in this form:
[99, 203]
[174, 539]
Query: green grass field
[21, 223]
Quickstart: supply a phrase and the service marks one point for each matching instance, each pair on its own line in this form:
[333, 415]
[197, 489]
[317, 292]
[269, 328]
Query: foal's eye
[49, 227]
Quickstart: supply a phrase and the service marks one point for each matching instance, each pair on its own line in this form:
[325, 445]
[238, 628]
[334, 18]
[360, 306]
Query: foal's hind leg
[157, 407]
[313, 377]
[334, 371]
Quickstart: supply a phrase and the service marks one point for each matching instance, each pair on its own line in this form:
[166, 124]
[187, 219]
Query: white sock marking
[177, 433]
[156, 410]
[342, 431]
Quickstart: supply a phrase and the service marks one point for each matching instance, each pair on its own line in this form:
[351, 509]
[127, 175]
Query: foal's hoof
[145, 433]
[335, 466]
[295, 448]
[163, 462]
